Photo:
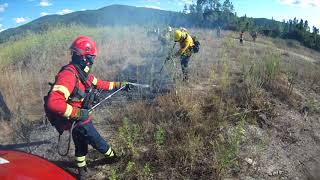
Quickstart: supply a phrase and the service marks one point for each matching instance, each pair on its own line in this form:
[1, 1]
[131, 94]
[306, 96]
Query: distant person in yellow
[185, 51]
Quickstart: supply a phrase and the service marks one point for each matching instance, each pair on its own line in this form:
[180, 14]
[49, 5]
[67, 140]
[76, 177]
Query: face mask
[87, 63]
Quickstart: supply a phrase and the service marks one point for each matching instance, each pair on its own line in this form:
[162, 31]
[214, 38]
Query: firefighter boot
[111, 157]
[84, 173]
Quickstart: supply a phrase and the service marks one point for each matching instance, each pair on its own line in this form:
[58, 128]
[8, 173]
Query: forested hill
[107, 16]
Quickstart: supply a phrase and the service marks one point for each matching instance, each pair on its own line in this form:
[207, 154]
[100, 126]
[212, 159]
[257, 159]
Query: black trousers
[86, 134]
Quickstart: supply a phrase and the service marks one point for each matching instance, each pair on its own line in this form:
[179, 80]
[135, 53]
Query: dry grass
[194, 130]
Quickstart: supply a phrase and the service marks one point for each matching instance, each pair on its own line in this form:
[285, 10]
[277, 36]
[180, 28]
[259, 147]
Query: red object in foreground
[21, 165]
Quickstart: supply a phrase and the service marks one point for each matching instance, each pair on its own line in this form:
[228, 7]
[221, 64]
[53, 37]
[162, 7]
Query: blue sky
[14, 13]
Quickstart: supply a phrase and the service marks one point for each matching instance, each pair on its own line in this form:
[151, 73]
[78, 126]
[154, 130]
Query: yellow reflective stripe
[112, 154]
[81, 164]
[81, 158]
[62, 89]
[109, 153]
[68, 111]
[94, 81]
[111, 85]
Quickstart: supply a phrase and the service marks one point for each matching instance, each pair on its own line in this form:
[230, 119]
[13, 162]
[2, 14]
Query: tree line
[217, 13]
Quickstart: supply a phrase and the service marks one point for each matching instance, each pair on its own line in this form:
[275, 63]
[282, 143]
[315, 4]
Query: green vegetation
[129, 133]
[114, 175]
[159, 136]
[130, 167]
[227, 150]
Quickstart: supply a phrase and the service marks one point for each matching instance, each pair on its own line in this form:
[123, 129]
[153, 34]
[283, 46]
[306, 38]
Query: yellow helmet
[177, 35]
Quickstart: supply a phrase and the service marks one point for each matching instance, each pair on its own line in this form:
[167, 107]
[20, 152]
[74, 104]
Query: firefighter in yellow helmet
[185, 51]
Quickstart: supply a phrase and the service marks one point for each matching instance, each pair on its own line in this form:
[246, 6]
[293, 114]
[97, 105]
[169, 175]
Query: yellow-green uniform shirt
[185, 46]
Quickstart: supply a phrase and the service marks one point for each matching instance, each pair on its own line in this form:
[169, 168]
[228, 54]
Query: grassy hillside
[241, 116]
[113, 15]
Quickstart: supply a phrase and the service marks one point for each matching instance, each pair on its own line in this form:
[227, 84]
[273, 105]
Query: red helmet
[84, 45]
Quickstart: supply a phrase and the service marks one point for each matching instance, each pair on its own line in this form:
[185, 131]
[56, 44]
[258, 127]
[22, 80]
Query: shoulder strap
[76, 87]
[186, 37]
[83, 77]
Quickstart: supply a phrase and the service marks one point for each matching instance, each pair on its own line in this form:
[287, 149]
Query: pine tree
[306, 26]
[315, 30]
[185, 9]
[227, 6]
[217, 5]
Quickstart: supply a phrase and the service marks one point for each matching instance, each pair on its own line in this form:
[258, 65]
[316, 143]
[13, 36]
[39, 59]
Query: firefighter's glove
[82, 114]
[126, 85]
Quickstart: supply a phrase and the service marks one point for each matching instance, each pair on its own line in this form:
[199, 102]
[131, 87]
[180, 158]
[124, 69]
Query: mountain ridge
[105, 16]
[125, 15]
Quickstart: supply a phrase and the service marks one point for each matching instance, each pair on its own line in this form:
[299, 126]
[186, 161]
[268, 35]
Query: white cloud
[188, 2]
[3, 7]
[83, 9]
[302, 3]
[45, 3]
[183, 2]
[44, 13]
[65, 11]
[21, 20]
[0, 25]
[152, 7]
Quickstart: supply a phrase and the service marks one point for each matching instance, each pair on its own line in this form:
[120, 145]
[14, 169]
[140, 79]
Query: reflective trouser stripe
[81, 164]
[109, 153]
[81, 161]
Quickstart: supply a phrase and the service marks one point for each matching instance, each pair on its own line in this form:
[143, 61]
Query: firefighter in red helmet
[68, 99]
